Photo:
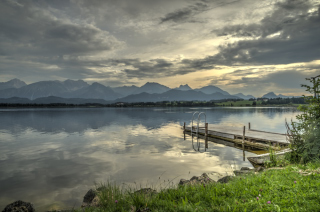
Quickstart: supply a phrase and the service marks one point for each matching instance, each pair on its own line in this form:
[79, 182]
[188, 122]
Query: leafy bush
[304, 135]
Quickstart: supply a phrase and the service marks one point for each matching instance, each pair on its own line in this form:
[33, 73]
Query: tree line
[212, 103]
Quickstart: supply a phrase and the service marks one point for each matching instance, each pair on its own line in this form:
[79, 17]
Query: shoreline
[248, 189]
[135, 106]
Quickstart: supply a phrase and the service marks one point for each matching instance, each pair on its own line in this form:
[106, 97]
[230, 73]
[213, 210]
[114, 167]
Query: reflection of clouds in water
[168, 129]
[174, 153]
[52, 175]
[112, 137]
[55, 165]
[31, 145]
[267, 119]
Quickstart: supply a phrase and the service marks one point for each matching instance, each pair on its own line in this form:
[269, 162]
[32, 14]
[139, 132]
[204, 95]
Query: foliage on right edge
[304, 135]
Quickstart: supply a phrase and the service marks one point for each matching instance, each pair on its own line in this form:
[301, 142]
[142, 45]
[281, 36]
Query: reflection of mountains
[273, 112]
[79, 120]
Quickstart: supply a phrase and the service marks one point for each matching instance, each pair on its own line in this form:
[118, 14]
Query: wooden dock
[246, 138]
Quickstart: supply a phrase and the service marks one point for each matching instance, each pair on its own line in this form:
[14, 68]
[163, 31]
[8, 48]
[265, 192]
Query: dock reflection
[200, 144]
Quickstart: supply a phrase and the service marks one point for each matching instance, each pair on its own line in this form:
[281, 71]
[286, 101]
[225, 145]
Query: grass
[293, 188]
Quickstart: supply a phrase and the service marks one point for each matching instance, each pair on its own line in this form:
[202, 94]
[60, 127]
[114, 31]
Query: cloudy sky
[244, 46]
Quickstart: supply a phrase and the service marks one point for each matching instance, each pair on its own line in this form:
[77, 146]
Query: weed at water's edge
[276, 160]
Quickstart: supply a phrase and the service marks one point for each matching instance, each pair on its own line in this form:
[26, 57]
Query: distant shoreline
[13, 106]
[57, 102]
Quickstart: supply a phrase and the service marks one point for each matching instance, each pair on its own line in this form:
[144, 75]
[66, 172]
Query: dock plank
[237, 131]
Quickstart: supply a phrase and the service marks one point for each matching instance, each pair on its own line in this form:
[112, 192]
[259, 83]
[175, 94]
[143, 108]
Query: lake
[52, 157]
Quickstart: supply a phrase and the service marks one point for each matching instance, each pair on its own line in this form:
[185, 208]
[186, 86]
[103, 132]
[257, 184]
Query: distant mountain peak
[152, 84]
[15, 80]
[185, 87]
[151, 87]
[210, 89]
[96, 84]
[242, 96]
[14, 83]
[125, 90]
[69, 80]
[99, 85]
[284, 96]
[96, 91]
[270, 95]
[73, 85]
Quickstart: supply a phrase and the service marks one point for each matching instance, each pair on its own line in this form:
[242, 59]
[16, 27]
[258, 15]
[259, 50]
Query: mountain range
[176, 95]
[52, 100]
[65, 89]
[272, 95]
[79, 89]
[242, 96]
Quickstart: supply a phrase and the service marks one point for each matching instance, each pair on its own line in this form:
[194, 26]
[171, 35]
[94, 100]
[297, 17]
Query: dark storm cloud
[131, 8]
[36, 71]
[158, 67]
[201, 64]
[285, 14]
[246, 72]
[151, 68]
[140, 69]
[28, 30]
[187, 14]
[286, 79]
[37, 44]
[183, 15]
[239, 30]
[297, 39]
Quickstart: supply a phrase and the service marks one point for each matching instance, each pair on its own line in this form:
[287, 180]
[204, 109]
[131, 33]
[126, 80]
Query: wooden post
[243, 137]
[315, 89]
[206, 143]
[206, 129]
[249, 126]
[184, 131]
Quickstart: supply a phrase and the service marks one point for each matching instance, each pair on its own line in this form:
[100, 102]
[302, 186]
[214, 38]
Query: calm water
[51, 157]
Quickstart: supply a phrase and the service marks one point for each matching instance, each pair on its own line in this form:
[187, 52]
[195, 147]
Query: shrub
[304, 135]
